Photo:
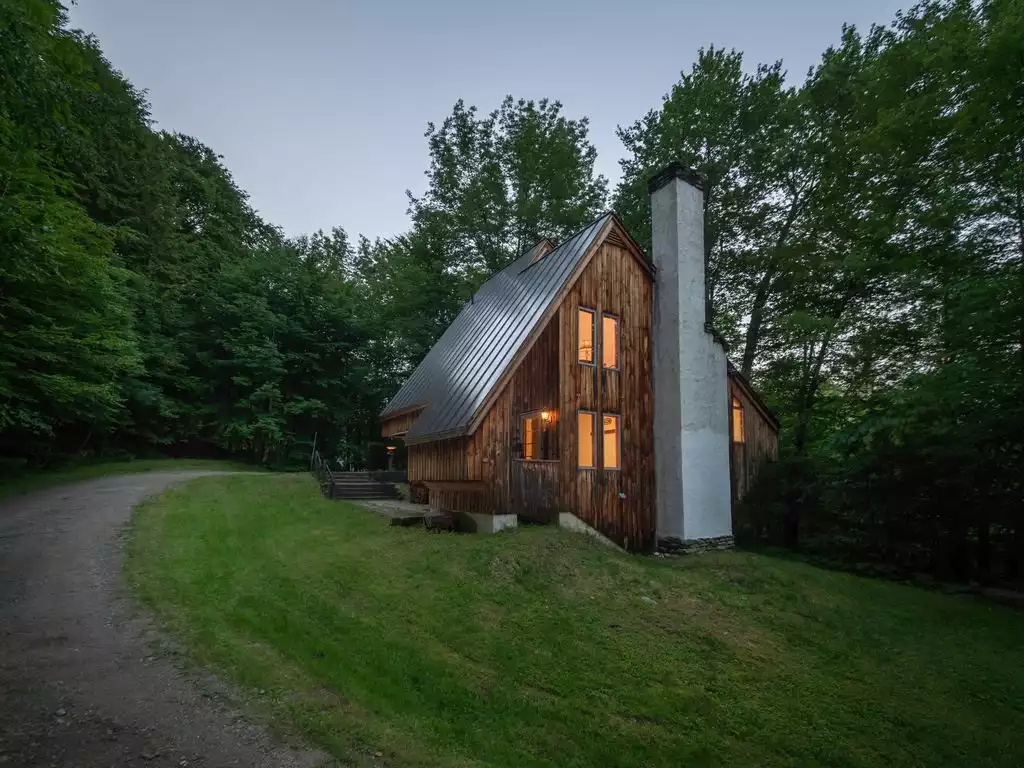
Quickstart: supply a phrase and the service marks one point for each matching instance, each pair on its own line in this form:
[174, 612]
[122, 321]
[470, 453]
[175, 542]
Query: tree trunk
[753, 335]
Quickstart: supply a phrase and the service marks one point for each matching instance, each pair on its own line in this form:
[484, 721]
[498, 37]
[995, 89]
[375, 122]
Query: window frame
[737, 406]
[579, 437]
[618, 342]
[618, 441]
[593, 335]
[523, 418]
[547, 435]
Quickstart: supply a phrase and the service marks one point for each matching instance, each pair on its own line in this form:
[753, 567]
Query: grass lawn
[534, 647]
[34, 481]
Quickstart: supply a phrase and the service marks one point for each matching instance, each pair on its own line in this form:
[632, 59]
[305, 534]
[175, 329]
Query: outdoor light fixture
[390, 449]
[545, 415]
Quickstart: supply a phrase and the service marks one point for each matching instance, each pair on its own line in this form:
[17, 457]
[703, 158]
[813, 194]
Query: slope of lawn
[37, 480]
[401, 647]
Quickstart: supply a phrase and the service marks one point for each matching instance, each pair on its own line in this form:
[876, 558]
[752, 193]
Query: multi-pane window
[739, 434]
[538, 435]
[611, 442]
[586, 336]
[587, 443]
[609, 341]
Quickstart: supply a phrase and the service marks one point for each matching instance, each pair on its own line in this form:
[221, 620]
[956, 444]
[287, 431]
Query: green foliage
[66, 335]
[878, 301]
[145, 306]
[500, 183]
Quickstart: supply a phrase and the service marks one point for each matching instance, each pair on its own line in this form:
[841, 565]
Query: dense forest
[865, 231]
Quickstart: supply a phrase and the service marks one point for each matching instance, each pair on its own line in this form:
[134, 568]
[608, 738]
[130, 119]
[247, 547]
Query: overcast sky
[319, 106]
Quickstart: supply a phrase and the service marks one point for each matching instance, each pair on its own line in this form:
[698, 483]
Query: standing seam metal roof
[454, 379]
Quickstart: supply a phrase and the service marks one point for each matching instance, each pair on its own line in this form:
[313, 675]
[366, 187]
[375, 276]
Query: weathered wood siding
[400, 424]
[760, 446]
[533, 387]
[535, 490]
[438, 460]
[613, 283]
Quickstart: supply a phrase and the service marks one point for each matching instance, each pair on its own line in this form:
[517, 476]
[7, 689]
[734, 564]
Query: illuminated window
[611, 442]
[539, 436]
[739, 432]
[586, 336]
[585, 424]
[531, 433]
[609, 341]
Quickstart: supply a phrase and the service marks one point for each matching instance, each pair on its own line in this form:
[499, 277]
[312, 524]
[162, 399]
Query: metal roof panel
[474, 352]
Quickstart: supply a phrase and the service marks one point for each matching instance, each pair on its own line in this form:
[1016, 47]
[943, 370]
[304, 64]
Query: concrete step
[364, 487]
[375, 491]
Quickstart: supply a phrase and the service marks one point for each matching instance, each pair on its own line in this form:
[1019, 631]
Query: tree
[66, 336]
[742, 133]
[498, 184]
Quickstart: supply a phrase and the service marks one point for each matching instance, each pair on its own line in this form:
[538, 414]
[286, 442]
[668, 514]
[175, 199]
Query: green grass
[535, 648]
[34, 481]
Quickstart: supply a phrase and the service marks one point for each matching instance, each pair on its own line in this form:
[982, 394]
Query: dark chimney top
[675, 171]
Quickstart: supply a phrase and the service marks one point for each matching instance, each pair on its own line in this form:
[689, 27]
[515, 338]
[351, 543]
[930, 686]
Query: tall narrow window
[585, 427]
[739, 433]
[611, 442]
[531, 432]
[609, 341]
[586, 336]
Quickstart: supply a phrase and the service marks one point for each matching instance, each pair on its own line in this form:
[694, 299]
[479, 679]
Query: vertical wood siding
[761, 444]
[438, 460]
[533, 387]
[399, 424]
[613, 283]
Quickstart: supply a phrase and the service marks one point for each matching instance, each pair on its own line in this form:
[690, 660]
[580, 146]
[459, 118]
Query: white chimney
[691, 416]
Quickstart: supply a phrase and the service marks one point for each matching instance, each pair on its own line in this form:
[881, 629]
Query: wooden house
[571, 388]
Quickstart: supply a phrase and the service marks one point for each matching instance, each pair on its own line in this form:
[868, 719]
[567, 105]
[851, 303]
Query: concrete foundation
[570, 522]
[474, 522]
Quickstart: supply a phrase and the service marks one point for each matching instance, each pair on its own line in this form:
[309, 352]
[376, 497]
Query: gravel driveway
[79, 682]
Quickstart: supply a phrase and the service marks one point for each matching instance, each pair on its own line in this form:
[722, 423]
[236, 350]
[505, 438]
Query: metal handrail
[322, 471]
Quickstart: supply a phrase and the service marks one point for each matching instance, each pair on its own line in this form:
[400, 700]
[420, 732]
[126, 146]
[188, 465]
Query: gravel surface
[80, 682]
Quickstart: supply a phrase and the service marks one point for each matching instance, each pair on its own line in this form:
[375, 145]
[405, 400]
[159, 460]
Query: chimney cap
[674, 171]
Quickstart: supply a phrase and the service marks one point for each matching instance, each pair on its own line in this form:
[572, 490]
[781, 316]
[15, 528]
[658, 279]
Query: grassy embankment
[536, 647]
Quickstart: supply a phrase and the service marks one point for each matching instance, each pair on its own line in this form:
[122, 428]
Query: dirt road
[80, 682]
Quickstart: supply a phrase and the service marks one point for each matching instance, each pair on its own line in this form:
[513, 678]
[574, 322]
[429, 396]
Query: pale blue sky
[319, 106]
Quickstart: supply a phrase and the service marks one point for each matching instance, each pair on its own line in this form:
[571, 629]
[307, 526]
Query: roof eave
[433, 437]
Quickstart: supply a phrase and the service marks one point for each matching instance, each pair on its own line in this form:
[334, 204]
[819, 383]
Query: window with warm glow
[531, 433]
[586, 336]
[739, 434]
[611, 442]
[539, 438]
[609, 341]
[585, 424]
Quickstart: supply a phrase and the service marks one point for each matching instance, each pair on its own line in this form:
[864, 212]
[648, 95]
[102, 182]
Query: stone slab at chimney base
[673, 546]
